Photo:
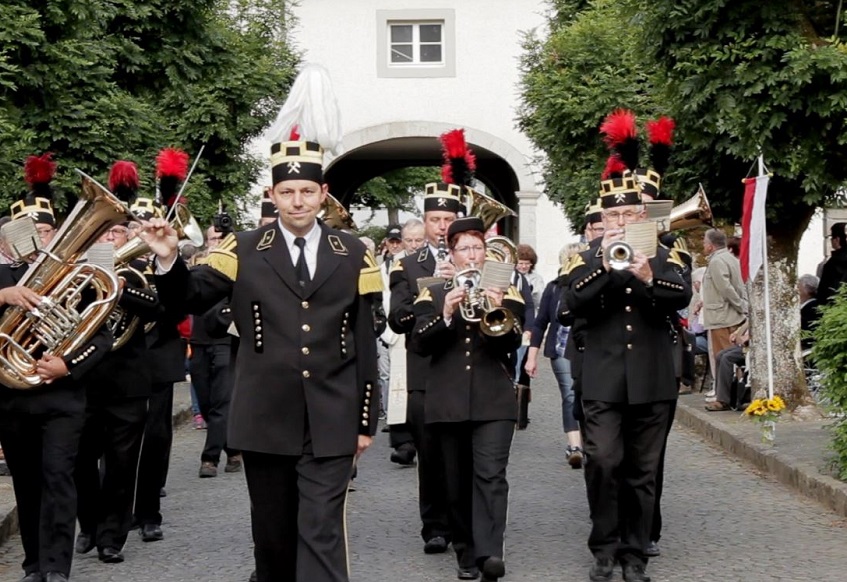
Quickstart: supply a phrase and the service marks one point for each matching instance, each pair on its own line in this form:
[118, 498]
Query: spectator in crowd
[414, 236]
[695, 313]
[527, 259]
[834, 271]
[546, 321]
[727, 360]
[723, 294]
[733, 244]
[807, 287]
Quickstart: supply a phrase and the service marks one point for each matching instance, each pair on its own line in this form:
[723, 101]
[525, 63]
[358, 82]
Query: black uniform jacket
[627, 333]
[469, 378]
[125, 372]
[166, 349]
[833, 274]
[403, 281]
[307, 355]
[65, 394]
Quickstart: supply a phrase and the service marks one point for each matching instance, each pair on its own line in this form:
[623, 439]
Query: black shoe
[602, 569]
[162, 492]
[467, 573]
[208, 469]
[635, 573]
[233, 464]
[652, 550]
[84, 543]
[404, 455]
[493, 569]
[435, 545]
[34, 577]
[150, 532]
[253, 577]
[55, 577]
[385, 428]
[110, 555]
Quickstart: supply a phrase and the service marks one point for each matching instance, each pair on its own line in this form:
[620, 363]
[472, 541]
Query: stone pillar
[528, 217]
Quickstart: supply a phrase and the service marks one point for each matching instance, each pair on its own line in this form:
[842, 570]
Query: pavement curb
[9, 522]
[804, 479]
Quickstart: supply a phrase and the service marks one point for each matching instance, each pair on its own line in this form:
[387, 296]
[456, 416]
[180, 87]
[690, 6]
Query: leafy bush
[830, 357]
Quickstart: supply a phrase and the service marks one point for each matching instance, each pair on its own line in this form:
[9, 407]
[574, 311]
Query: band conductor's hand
[161, 238]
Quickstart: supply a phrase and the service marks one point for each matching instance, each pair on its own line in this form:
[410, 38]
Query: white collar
[311, 237]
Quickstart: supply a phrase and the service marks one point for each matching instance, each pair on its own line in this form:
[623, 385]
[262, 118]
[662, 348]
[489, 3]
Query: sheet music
[102, 255]
[496, 275]
[21, 237]
[659, 211]
[425, 282]
[642, 236]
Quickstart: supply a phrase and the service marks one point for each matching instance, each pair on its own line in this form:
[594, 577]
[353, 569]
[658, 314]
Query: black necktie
[300, 267]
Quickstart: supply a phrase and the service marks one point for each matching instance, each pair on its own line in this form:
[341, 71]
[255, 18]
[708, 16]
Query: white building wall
[484, 93]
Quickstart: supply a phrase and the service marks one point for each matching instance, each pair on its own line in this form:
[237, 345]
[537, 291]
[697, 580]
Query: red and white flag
[753, 226]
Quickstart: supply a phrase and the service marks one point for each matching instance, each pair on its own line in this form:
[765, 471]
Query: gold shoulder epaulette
[424, 295]
[397, 266]
[224, 259]
[574, 262]
[513, 294]
[675, 258]
[370, 279]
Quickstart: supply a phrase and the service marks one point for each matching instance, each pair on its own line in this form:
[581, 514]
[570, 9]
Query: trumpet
[476, 306]
[620, 255]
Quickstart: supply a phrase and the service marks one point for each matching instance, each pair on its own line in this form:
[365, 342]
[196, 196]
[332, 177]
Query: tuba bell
[76, 296]
[692, 213]
[122, 324]
[334, 215]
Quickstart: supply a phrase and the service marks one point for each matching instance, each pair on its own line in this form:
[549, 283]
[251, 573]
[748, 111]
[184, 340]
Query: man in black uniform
[441, 205]
[117, 391]
[305, 401]
[628, 379]
[166, 357]
[40, 428]
[834, 271]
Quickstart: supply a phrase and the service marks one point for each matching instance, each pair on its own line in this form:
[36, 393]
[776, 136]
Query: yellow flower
[753, 407]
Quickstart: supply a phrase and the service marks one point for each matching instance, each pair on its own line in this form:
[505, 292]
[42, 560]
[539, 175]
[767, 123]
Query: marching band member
[470, 405]
[305, 399]
[117, 391]
[40, 428]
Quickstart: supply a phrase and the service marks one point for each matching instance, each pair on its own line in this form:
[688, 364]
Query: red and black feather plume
[38, 173]
[459, 161]
[171, 169]
[614, 168]
[660, 134]
[621, 136]
[123, 180]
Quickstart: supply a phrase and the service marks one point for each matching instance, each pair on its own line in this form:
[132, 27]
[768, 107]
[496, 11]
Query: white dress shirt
[313, 239]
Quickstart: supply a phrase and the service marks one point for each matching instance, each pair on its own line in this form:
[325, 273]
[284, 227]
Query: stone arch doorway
[374, 150]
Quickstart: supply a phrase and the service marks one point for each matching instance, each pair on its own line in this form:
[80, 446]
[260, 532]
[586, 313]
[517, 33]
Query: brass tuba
[122, 324]
[500, 248]
[334, 215]
[692, 213]
[65, 320]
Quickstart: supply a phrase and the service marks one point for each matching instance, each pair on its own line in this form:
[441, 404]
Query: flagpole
[768, 335]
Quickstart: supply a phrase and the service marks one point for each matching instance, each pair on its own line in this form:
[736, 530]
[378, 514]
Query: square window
[430, 53]
[416, 43]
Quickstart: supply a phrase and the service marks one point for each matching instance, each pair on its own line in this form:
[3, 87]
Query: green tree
[739, 77]
[97, 81]
[396, 189]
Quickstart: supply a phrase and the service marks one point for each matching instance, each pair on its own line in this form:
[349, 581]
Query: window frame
[416, 68]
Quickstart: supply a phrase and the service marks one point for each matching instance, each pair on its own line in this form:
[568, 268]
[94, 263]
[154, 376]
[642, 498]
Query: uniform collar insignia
[337, 246]
[448, 284]
[599, 254]
[267, 239]
[423, 254]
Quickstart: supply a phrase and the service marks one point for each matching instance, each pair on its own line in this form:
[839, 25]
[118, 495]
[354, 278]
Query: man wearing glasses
[628, 379]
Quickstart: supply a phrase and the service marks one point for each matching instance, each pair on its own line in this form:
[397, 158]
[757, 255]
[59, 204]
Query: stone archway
[372, 151]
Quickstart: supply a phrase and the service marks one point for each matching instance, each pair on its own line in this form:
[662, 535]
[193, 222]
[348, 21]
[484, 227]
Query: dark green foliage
[93, 82]
[830, 357]
[396, 189]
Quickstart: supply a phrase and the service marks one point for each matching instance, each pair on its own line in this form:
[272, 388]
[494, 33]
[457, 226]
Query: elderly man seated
[725, 363]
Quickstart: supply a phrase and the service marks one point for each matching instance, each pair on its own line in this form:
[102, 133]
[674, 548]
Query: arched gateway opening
[372, 151]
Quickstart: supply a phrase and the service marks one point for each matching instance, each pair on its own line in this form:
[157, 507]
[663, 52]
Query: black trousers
[475, 458]
[432, 491]
[656, 529]
[297, 515]
[113, 431]
[155, 454]
[624, 446]
[41, 451]
[212, 378]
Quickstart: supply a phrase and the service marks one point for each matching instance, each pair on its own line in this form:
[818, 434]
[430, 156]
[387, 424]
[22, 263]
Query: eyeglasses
[628, 215]
[118, 231]
[475, 249]
[597, 228]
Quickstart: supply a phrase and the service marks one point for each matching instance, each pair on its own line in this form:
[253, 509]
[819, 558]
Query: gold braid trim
[223, 259]
[370, 279]
[424, 295]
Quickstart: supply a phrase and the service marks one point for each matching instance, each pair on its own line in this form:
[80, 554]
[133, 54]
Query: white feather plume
[312, 108]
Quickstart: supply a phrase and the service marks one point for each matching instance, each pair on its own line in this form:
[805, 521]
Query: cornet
[476, 306]
[620, 255]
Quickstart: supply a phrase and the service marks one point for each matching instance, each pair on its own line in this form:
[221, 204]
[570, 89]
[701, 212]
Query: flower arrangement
[766, 411]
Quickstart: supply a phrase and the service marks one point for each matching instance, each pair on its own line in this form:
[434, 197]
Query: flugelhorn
[122, 324]
[77, 297]
[477, 308]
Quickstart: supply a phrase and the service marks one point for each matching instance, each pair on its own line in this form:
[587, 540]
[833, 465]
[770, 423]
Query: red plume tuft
[172, 163]
[39, 169]
[123, 174]
[614, 168]
[661, 131]
[459, 160]
[618, 127]
[295, 134]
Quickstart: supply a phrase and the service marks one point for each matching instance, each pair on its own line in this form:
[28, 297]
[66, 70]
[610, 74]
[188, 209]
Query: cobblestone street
[723, 521]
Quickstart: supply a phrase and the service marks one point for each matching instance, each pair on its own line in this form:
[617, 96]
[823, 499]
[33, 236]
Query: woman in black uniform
[470, 402]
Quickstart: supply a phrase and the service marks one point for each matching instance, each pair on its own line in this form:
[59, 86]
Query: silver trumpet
[620, 255]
